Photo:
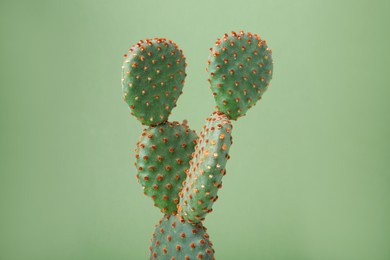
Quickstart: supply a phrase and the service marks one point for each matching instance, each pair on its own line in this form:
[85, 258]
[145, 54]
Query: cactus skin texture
[153, 74]
[240, 68]
[162, 156]
[207, 168]
[175, 239]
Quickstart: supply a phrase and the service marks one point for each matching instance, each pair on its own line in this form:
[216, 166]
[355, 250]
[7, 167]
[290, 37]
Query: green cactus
[153, 76]
[207, 168]
[181, 172]
[240, 68]
[175, 239]
[162, 156]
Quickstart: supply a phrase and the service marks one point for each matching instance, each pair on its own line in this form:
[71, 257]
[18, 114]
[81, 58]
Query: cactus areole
[181, 171]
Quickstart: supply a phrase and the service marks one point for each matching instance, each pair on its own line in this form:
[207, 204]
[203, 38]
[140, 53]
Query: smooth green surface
[309, 173]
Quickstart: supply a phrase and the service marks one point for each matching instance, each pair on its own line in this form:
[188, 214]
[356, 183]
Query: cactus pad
[175, 239]
[240, 68]
[153, 74]
[207, 168]
[162, 159]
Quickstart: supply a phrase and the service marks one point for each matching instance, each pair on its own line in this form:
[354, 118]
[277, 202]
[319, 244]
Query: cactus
[153, 76]
[175, 239]
[162, 156]
[240, 68]
[180, 171]
[207, 168]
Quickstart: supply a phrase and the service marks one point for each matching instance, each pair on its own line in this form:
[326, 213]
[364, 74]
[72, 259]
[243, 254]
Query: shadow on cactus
[180, 171]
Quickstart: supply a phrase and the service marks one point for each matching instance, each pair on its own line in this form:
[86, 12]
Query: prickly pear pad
[207, 168]
[176, 239]
[240, 68]
[153, 74]
[163, 154]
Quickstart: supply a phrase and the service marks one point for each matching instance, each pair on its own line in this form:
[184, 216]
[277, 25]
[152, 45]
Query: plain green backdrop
[309, 175]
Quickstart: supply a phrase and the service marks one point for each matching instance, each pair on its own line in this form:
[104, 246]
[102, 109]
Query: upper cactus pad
[163, 154]
[240, 68]
[153, 74]
[207, 168]
[175, 239]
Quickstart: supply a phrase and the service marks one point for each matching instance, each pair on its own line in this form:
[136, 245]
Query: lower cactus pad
[175, 239]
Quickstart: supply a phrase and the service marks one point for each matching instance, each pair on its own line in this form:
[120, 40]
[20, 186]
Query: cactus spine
[180, 171]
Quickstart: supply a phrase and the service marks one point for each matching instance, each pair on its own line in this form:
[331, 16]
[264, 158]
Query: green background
[309, 175]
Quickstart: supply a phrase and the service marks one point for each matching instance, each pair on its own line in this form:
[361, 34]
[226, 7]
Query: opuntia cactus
[180, 171]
